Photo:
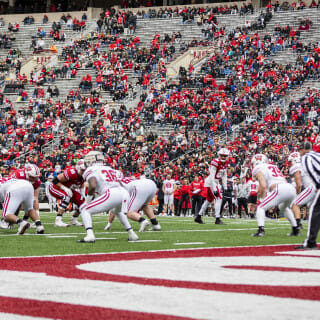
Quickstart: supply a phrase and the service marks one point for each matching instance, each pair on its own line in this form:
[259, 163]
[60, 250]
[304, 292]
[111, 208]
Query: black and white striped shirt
[311, 165]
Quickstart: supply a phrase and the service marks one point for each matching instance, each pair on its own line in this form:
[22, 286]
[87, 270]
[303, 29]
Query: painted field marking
[139, 241]
[305, 253]
[8, 316]
[61, 236]
[124, 232]
[112, 286]
[187, 243]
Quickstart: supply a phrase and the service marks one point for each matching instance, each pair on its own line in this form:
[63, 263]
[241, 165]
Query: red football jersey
[72, 177]
[220, 168]
[20, 174]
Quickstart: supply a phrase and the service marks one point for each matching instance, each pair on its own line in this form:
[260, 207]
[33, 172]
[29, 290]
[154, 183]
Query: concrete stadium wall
[53, 16]
[205, 5]
[93, 13]
[192, 56]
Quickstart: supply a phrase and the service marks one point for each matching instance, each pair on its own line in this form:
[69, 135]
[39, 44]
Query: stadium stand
[160, 90]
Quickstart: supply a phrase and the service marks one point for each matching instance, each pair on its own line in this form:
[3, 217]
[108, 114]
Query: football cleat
[132, 236]
[23, 226]
[107, 227]
[60, 224]
[143, 225]
[75, 222]
[4, 224]
[294, 233]
[40, 229]
[259, 233]
[155, 227]
[87, 239]
[306, 247]
[218, 221]
[198, 219]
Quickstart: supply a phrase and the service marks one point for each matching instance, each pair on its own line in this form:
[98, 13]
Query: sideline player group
[93, 188]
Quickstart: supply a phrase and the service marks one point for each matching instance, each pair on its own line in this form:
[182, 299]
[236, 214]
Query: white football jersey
[128, 183]
[168, 185]
[271, 173]
[253, 185]
[9, 183]
[305, 178]
[5, 183]
[106, 177]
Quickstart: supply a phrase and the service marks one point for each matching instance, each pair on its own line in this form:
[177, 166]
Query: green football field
[177, 233]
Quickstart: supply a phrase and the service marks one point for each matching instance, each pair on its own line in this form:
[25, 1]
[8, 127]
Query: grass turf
[177, 233]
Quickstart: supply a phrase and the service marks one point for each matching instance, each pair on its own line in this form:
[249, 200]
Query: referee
[311, 165]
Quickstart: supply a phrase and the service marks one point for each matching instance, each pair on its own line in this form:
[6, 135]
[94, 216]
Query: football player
[253, 196]
[65, 187]
[301, 179]
[13, 194]
[104, 193]
[217, 172]
[52, 200]
[141, 193]
[274, 190]
[31, 173]
[169, 187]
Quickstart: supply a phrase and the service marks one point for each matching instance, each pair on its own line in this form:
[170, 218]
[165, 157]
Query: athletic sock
[154, 221]
[141, 220]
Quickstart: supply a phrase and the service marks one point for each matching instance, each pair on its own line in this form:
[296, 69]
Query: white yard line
[9, 316]
[187, 243]
[149, 232]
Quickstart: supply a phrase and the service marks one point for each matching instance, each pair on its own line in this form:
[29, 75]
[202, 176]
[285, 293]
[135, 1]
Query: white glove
[67, 191]
[89, 198]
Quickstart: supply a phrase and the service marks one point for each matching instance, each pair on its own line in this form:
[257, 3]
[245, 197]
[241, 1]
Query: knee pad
[64, 203]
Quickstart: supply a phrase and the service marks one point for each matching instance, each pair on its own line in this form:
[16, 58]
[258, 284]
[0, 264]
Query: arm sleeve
[210, 181]
[224, 181]
[311, 165]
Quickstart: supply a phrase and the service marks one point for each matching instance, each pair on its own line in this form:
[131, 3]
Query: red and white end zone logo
[272, 282]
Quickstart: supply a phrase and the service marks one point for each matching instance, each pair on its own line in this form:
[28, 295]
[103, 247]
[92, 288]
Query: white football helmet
[258, 159]
[223, 154]
[94, 157]
[80, 166]
[32, 171]
[294, 158]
